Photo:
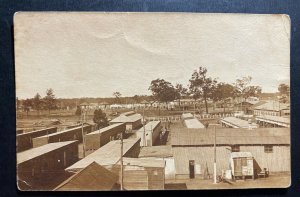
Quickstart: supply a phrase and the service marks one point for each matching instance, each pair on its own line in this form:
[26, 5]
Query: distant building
[96, 139]
[133, 121]
[151, 134]
[233, 122]
[193, 151]
[24, 140]
[91, 178]
[61, 136]
[43, 165]
[272, 108]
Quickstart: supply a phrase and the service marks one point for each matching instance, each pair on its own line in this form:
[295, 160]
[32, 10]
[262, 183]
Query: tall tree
[163, 91]
[180, 92]
[49, 100]
[201, 84]
[27, 104]
[117, 95]
[100, 118]
[222, 92]
[244, 90]
[284, 89]
[37, 102]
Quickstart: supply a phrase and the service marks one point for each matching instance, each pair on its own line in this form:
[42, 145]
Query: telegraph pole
[122, 172]
[82, 119]
[144, 136]
[215, 157]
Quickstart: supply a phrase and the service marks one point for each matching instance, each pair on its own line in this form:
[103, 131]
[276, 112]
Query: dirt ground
[273, 181]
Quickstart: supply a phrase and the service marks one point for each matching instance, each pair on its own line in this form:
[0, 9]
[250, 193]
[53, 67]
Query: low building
[150, 133]
[133, 121]
[96, 139]
[61, 136]
[41, 166]
[234, 122]
[91, 178]
[164, 153]
[273, 121]
[143, 174]
[193, 151]
[108, 154]
[25, 140]
[272, 108]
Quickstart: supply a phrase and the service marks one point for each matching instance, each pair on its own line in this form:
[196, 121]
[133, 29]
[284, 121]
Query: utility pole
[82, 133]
[122, 172]
[144, 136]
[215, 157]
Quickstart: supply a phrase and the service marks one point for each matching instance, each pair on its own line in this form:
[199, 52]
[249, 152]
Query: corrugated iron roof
[237, 122]
[156, 151]
[150, 126]
[123, 118]
[91, 178]
[275, 118]
[193, 124]
[272, 106]
[105, 129]
[188, 137]
[106, 155]
[41, 150]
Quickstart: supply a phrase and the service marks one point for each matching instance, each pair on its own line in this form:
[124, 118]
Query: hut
[242, 165]
[25, 140]
[132, 121]
[42, 166]
[150, 133]
[96, 139]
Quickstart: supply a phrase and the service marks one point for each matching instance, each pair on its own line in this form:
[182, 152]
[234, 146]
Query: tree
[49, 99]
[100, 118]
[78, 111]
[117, 95]
[222, 92]
[284, 89]
[162, 91]
[26, 105]
[37, 102]
[180, 92]
[201, 85]
[242, 88]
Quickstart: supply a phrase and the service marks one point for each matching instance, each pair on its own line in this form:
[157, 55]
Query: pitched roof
[123, 118]
[41, 150]
[143, 162]
[193, 124]
[260, 136]
[105, 129]
[279, 119]
[187, 116]
[106, 155]
[150, 126]
[91, 178]
[64, 131]
[156, 151]
[272, 106]
[237, 122]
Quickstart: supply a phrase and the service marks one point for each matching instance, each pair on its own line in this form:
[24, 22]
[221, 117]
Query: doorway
[192, 169]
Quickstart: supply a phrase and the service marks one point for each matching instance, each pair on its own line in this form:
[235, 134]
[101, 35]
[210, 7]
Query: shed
[150, 133]
[132, 121]
[241, 164]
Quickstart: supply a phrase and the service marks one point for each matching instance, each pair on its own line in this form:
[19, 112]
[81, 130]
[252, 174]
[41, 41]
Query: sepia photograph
[110, 101]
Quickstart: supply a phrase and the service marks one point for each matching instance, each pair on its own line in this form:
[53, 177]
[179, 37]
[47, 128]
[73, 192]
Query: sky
[96, 54]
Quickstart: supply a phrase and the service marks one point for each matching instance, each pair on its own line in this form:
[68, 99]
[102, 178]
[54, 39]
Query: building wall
[44, 169]
[24, 141]
[278, 161]
[72, 134]
[266, 112]
[150, 137]
[96, 140]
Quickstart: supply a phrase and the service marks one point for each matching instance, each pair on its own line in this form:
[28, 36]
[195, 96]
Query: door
[192, 169]
[237, 166]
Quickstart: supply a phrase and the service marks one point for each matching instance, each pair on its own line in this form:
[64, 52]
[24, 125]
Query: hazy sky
[96, 54]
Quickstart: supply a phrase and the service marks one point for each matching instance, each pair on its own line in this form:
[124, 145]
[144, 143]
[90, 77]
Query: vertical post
[122, 172]
[215, 157]
[82, 119]
[144, 135]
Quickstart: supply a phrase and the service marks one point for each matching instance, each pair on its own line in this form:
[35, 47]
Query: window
[268, 149]
[235, 148]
